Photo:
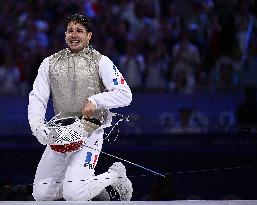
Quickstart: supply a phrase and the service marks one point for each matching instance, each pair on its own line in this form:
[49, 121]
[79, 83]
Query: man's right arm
[38, 99]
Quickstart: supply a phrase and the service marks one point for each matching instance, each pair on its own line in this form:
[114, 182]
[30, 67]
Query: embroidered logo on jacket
[90, 161]
[119, 78]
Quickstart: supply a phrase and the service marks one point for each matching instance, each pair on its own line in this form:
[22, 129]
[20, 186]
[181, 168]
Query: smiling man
[78, 35]
[82, 82]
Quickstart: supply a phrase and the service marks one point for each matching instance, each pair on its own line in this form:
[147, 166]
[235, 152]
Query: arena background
[195, 124]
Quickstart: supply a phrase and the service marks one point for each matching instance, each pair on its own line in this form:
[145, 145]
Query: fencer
[81, 81]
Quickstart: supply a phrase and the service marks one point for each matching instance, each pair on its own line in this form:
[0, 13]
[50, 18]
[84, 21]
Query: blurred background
[192, 66]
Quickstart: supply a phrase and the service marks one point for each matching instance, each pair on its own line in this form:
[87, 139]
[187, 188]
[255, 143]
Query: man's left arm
[118, 93]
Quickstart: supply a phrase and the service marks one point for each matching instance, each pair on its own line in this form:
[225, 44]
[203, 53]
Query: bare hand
[88, 109]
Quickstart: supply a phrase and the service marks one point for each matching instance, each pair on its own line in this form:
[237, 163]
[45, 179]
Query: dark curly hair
[79, 18]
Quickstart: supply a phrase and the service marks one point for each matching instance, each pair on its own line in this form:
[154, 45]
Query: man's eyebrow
[80, 27]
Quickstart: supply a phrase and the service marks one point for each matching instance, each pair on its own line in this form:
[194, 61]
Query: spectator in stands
[185, 124]
[9, 78]
[246, 24]
[110, 50]
[121, 34]
[156, 66]
[250, 66]
[132, 65]
[224, 75]
[196, 23]
[186, 62]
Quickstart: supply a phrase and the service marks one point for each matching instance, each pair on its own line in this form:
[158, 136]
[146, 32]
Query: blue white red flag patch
[89, 161]
[119, 78]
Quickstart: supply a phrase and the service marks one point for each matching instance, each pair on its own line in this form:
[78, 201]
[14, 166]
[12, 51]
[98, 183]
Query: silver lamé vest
[73, 78]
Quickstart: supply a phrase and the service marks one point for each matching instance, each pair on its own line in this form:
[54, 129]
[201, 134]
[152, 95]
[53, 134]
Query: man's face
[76, 36]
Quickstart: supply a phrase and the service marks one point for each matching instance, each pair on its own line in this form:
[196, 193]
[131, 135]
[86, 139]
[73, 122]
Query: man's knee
[45, 191]
[73, 191]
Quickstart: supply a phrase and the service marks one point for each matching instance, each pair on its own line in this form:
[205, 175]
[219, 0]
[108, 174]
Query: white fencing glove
[42, 132]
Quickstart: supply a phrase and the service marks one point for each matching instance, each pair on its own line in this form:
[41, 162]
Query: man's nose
[74, 33]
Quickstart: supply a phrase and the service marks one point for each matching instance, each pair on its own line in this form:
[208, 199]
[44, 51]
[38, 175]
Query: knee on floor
[45, 191]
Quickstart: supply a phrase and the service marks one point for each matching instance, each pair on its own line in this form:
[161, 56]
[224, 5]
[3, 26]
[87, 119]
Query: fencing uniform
[71, 79]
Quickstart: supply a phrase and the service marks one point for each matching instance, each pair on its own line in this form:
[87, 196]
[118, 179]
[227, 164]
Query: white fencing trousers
[71, 176]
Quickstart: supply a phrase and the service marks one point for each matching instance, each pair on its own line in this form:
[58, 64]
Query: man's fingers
[87, 114]
[88, 109]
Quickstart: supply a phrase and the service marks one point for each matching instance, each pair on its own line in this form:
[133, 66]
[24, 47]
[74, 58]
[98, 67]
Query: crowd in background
[159, 45]
[180, 46]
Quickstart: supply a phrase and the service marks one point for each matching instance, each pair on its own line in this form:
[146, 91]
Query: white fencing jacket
[118, 93]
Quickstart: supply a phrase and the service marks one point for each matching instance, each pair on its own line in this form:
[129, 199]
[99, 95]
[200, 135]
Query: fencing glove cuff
[42, 132]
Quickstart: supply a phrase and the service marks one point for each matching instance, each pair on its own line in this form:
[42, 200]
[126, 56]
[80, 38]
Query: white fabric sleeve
[118, 93]
[38, 97]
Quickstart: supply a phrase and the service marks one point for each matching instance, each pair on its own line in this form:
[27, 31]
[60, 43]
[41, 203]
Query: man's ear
[89, 35]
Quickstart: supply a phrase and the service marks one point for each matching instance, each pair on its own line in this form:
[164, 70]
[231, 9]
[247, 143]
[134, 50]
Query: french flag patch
[119, 78]
[117, 81]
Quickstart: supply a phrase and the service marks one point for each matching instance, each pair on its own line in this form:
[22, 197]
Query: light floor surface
[180, 202]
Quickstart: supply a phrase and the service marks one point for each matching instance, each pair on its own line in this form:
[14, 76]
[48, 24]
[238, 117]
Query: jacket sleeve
[39, 96]
[118, 93]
